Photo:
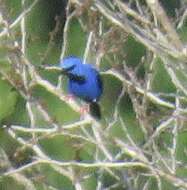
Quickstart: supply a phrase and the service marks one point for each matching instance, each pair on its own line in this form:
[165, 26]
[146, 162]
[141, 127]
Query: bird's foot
[69, 97]
[84, 110]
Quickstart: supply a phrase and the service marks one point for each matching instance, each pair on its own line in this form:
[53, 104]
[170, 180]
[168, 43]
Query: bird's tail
[95, 110]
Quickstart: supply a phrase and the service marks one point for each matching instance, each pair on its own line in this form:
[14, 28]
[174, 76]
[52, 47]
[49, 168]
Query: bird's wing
[99, 81]
[96, 73]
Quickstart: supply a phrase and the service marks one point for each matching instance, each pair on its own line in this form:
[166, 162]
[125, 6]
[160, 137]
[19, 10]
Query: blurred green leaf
[8, 99]
[162, 81]
[76, 42]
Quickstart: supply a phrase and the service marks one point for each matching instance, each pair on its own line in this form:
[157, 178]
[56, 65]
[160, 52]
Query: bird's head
[70, 63]
[73, 68]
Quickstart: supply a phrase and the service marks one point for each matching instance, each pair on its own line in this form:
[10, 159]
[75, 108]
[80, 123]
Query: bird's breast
[89, 90]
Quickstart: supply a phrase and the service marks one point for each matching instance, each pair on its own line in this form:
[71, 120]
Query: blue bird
[84, 82]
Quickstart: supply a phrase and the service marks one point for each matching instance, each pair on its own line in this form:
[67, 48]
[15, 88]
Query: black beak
[64, 72]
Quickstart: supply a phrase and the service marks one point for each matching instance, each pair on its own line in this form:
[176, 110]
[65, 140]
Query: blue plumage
[84, 80]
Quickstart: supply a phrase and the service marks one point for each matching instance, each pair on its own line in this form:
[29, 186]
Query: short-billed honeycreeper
[84, 82]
